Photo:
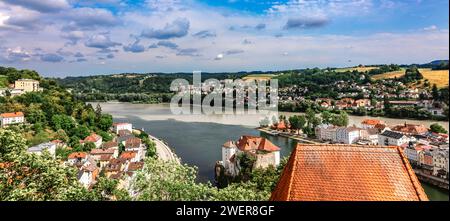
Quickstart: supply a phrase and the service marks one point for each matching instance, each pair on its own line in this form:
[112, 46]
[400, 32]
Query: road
[163, 151]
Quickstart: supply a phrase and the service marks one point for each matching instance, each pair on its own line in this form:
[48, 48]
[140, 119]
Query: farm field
[360, 69]
[438, 77]
[259, 77]
[388, 75]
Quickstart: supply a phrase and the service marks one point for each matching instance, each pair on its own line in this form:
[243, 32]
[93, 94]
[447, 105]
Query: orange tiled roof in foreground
[348, 173]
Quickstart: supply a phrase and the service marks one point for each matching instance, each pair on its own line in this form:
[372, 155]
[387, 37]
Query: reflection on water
[200, 144]
[435, 194]
[198, 140]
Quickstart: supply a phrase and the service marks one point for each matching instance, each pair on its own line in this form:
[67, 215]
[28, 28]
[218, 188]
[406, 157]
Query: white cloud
[431, 28]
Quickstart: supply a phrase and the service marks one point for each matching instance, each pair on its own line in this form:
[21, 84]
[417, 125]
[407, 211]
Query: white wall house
[229, 152]
[39, 149]
[347, 135]
[413, 155]
[391, 138]
[11, 118]
[440, 161]
[122, 126]
[326, 132]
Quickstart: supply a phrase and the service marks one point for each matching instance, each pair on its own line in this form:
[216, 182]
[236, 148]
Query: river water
[197, 139]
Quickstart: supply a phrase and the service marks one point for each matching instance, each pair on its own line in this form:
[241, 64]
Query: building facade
[27, 85]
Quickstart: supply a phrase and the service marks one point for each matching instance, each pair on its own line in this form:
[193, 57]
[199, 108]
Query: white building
[88, 172]
[391, 138]
[77, 158]
[347, 135]
[93, 138]
[265, 152]
[122, 126]
[39, 149]
[413, 154]
[11, 118]
[229, 150]
[326, 132]
[440, 162]
[27, 85]
[370, 135]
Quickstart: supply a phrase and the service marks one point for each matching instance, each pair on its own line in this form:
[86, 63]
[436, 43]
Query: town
[426, 150]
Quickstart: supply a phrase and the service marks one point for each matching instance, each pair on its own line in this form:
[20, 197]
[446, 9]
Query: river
[197, 139]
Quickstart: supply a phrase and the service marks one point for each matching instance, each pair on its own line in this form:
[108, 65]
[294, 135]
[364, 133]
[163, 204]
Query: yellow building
[27, 85]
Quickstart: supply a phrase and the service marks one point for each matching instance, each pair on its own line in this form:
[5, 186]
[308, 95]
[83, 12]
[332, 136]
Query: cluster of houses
[368, 96]
[264, 152]
[20, 87]
[424, 149]
[105, 158]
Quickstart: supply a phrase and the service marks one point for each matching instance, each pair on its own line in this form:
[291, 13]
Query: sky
[83, 37]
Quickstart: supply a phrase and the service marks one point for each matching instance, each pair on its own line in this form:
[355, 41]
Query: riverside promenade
[163, 151]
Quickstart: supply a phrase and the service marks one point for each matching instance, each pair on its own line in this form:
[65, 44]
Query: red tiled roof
[133, 142]
[92, 138]
[348, 173]
[281, 125]
[105, 157]
[135, 166]
[75, 155]
[372, 122]
[128, 155]
[110, 144]
[229, 144]
[102, 151]
[410, 128]
[13, 114]
[248, 143]
[57, 141]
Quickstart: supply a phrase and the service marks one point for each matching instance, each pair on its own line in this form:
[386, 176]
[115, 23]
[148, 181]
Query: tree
[105, 122]
[326, 117]
[340, 119]
[98, 112]
[437, 128]
[295, 123]
[107, 189]
[301, 122]
[435, 92]
[168, 180]
[31, 177]
[105, 136]
[81, 132]
[62, 122]
[88, 146]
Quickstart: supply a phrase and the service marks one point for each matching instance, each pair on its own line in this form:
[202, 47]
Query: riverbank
[296, 137]
[198, 139]
[163, 151]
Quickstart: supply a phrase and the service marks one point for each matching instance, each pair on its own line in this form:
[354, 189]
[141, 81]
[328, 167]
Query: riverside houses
[265, 152]
[122, 126]
[391, 138]
[326, 172]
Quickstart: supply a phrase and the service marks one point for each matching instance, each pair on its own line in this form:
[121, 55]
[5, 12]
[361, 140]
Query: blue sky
[84, 37]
